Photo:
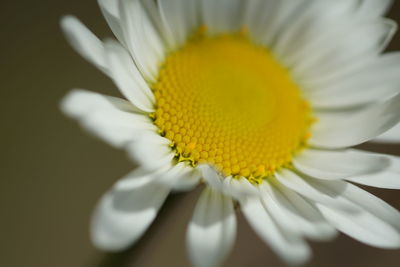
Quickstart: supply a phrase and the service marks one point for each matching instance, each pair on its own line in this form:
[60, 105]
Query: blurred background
[52, 173]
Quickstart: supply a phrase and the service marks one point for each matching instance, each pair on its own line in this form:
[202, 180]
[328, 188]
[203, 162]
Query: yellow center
[227, 102]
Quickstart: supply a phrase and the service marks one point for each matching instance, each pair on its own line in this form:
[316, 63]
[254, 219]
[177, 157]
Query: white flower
[259, 100]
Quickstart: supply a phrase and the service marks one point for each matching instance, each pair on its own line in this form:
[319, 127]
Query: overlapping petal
[350, 128]
[292, 248]
[124, 214]
[221, 16]
[390, 136]
[110, 10]
[212, 230]
[364, 211]
[127, 77]
[112, 119]
[151, 151]
[84, 42]
[339, 164]
[142, 40]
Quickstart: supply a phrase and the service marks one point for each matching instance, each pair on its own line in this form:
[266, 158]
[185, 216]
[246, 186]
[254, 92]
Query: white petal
[211, 177]
[84, 42]
[290, 247]
[151, 151]
[255, 13]
[188, 182]
[302, 209]
[363, 227]
[377, 81]
[175, 174]
[179, 19]
[212, 230]
[238, 187]
[221, 16]
[371, 8]
[110, 6]
[290, 219]
[338, 130]
[310, 24]
[178, 177]
[109, 118]
[339, 164]
[142, 40]
[341, 51]
[137, 178]
[371, 220]
[127, 77]
[388, 177]
[303, 186]
[122, 216]
[153, 12]
[279, 15]
[390, 136]
[110, 11]
[369, 203]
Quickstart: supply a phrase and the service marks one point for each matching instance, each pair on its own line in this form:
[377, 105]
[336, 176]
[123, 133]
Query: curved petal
[367, 214]
[371, 204]
[363, 226]
[175, 176]
[153, 12]
[122, 216]
[321, 229]
[151, 151]
[339, 164]
[234, 187]
[254, 15]
[339, 130]
[376, 81]
[211, 177]
[179, 18]
[142, 40]
[360, 199]
[112, 119]
[239, 187]
[176, 173]
[302, 186]
[188, 181]
[357, 166]
[110, 11]
[371, 8]
[342, 51]
[290, 247]
[221, 16]
[291, 220]
[84, 42]
[212, 230]
[311, 24]
[388, 179]
[275, 19]
[136, 178]
[390, 136]
[127, 77]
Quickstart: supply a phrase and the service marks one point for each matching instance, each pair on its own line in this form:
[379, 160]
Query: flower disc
[225, 101]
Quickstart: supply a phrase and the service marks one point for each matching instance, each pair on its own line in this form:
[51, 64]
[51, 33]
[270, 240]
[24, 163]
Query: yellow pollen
[225, 101]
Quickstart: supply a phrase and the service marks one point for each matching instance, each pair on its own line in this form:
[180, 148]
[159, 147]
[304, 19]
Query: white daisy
[260, 101]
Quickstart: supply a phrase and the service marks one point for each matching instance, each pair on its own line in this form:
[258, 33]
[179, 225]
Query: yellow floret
[224, 101]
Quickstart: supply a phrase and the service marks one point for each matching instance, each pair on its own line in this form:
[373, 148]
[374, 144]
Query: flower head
[259, 100]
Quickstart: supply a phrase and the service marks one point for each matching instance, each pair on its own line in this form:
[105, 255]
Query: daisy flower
[260, 101]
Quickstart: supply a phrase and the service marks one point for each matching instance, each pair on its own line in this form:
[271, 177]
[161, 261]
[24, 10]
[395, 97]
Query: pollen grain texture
[227, 102]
